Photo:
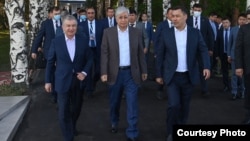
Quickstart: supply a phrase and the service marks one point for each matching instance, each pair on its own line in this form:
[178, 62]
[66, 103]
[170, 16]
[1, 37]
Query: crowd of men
[80, 50]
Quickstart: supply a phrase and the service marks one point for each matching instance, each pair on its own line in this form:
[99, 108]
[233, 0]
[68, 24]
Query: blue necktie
[92, 40]
[226, 40]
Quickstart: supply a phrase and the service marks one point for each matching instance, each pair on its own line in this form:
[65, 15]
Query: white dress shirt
[198, 21]
[71, 46]
[124, 50]
[181, 44]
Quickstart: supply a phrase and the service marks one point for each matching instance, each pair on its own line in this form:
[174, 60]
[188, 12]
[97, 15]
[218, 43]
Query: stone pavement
[41, 122]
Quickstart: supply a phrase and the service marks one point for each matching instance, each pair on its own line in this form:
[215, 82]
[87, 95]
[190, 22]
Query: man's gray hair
[69, 18]
[121, 10]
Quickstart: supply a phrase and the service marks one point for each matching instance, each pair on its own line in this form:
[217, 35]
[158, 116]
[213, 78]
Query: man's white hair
[121, 10]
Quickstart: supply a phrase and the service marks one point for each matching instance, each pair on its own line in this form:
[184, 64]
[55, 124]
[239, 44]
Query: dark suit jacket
[167, 58]
[59, 55]
[145, 38]
[159, 29]
[98, 32]
[105, 22]
[242, 49]
[220, 43]
[206, 31]
[110, 54]
[149, 30]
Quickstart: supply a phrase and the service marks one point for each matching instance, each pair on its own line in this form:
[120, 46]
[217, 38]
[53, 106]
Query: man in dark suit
[237, 83]
[242, 63]
[44, 37]
[93, 29]
[73, 59]
[167, 23]
[221, 50]
[149, 28]
[109, 21]
[123, 67]
[202, 23]
[177, 60]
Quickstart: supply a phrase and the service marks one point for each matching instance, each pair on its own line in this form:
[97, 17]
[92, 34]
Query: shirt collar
[67, 39]
[93, 21]
[119, 30]
[177, 30]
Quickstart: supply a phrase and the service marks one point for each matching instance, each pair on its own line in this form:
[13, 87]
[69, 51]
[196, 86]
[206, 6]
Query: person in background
[109, 21]
[242, 63]
[177, 60]
[237, 83]
[123, 67]
[82, 14]
[167, 23]
[73, 59]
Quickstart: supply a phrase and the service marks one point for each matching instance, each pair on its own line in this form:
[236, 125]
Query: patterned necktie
[226, 40]
[92, 40]
[132, 25]
[196, 23]
[56, 26]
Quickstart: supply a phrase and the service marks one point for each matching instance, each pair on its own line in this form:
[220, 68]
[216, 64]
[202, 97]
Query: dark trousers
[125, 82]
[224, 69]
[179, 97]
[203, 82]
[247, 92]
[94, 74]
[69, 108]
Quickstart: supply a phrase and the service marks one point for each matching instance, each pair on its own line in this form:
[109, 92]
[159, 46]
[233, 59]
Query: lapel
[172, 40]
[116, 43]
[189, 41]
[51, 27]
[131, 39]
[77, 45]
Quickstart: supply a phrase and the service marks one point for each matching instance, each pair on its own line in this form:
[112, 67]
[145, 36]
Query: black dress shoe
[246, 121]
[234, 96]
[132, 139]
[114, 129]
[225, 89]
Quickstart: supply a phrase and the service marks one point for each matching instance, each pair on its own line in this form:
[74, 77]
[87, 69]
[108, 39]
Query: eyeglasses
[90, 12]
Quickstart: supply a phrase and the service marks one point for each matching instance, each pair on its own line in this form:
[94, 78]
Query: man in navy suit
[237, 83]
[177, 60]
[109, 21]
[202, 23]
[73, 59]
[93, 30]
[44, 37]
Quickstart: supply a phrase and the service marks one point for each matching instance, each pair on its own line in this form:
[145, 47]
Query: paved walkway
[41, 122]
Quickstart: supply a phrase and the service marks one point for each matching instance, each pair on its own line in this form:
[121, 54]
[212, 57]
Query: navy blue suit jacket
[167, 58]
[206, 31]
[159, 30]
[44, 37]
[220, 43]
[59, 55]
[149, 30]
[105, 22]
[98, 33]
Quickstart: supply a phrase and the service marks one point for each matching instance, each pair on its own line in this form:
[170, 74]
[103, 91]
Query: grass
[4, 50]
[11, 90]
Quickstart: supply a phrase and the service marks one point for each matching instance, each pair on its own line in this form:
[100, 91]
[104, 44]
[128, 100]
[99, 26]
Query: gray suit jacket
[232, 41]
[110, 54]
[141, 26]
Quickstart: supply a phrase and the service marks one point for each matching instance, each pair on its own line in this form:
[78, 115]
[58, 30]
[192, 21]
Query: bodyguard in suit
[140, 26]
[167, 23]
[177, 60]
[109, 21]
[221, 52]
[202, 23]
[242, 63]
[47, 32]
[73, 59]
[93, 29]
[149, 28]
[123, 67]
[237, 83]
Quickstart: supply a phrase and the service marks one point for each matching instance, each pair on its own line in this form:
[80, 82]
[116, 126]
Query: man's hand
[104, 78]
[239, 72]
[48, 87]
[159, 80]
[33, 55]
[144, 76]
[206, 73]
[145, 50]
[80, 76]
[210, 53]
[229, 59]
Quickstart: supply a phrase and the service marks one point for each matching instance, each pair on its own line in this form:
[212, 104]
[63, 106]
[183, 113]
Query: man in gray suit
[123, 66]
[134, 23]
[236, 82]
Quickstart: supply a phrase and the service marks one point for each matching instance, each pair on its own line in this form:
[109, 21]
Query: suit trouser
[70, 104]
[203, 82]
[126, 82]
[224, 69]
[247, 92]
[179, 97]
[237, 83]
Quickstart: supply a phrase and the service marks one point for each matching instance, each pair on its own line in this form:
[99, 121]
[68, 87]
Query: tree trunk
[192, 2]
[121, 3]
[248, 4]
[18, 52]
[149, 10]
[166, 5]
[136, 5]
